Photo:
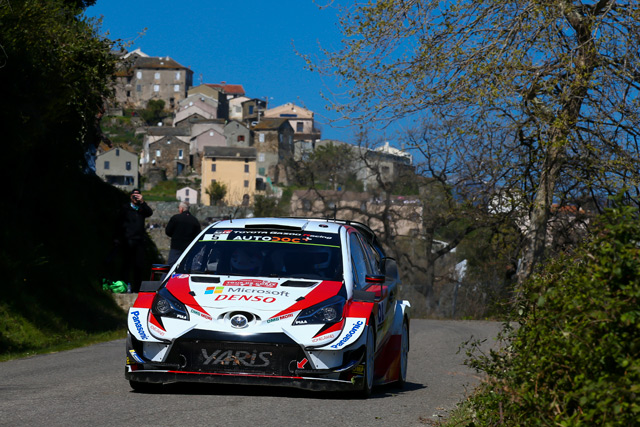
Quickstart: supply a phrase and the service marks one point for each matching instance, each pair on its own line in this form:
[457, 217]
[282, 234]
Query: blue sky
[248, 42]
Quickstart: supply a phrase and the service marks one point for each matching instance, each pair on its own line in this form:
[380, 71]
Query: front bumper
[226, 359]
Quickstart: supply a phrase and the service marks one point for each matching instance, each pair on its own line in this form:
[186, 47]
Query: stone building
[141, 78]
[273, 140]
[170, 154]
[118, 167]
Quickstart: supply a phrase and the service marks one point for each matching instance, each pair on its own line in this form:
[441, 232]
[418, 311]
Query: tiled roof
[168, 131]
[227, 89]
[230, 152]
[269, 124]
[157, 62]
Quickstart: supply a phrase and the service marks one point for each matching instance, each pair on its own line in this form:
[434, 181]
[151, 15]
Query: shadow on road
[247, 390]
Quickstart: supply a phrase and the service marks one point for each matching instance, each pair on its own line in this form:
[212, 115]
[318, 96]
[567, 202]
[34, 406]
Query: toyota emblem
[239, 321]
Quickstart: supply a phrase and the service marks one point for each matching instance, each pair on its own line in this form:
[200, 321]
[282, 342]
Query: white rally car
[295, 302]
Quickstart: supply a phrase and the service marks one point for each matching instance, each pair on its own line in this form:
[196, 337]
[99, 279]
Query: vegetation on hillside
[58, 225]
[574, 357]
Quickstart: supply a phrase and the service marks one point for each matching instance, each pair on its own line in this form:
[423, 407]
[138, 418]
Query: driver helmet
[245, 262]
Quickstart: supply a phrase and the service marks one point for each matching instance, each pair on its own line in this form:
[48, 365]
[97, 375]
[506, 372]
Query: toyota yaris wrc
[294, 302]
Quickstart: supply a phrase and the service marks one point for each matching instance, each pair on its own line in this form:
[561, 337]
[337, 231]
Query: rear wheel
[404, 355]
[367, 381]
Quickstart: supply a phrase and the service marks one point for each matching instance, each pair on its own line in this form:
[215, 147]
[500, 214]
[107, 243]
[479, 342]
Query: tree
[540, 97]
[216, 192]
[329, 166]
[154, 112]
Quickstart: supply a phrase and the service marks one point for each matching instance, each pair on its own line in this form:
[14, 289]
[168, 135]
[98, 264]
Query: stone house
[170, 154]
[233, 166]
[235, 107]
[301, 120]
[237, 134]
[187, 194]
[204, 135]
[216, 94]
[149, 158]
[193, 113]
[252, 110]
[118, 167]
[141, 78]
[273, 140]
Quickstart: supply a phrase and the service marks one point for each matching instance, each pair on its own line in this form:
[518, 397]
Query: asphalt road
[86, 386]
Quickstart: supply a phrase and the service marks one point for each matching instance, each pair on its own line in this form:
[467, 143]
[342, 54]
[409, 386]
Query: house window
[139, 75]
[128, 93]
[299, 127]
[156, 76]
[128, 166]
[186, 192]
[157, 153]
[213, 180]
[138, 88]
[177, 75]
[246, 183]
[106, 164]
[240, 138]
[261, 157]
[261, 171]
[262, 137]
[250, 109]
[117, 151]
[180, 154]
[176, 88]
[246, 168]
[238, 109]
[213, 167]
[156, 88]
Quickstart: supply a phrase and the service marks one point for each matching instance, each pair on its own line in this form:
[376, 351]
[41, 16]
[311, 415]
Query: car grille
[236, 357]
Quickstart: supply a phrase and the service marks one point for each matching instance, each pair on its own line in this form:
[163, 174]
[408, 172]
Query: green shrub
[574, 357]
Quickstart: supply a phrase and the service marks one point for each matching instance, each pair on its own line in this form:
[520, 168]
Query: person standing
[182, 228]
[132, 232]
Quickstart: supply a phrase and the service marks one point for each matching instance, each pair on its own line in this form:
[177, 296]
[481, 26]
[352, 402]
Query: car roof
[281, 224]
[325, 225]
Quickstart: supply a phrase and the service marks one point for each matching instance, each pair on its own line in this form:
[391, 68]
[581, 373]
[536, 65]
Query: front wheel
[404, 355]
[370, 351]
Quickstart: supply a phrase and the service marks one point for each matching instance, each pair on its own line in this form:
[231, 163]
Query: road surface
[86, 386]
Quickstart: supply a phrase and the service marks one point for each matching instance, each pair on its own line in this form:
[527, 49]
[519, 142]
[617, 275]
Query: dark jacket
[131, 221]
[182, 228]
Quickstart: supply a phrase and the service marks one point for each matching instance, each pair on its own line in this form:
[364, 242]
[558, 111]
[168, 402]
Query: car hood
[270, 304]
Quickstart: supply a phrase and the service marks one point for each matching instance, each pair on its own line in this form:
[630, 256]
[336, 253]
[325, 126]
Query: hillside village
[218, 133]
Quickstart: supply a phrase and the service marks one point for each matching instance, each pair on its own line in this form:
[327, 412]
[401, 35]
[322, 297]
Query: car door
[368, 277]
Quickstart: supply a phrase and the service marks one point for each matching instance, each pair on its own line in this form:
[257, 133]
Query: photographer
[131, 239]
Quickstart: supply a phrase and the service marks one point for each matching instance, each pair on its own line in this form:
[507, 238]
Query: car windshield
[265, 253]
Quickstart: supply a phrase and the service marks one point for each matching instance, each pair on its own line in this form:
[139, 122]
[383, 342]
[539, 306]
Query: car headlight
[166, 305]
[329, 311]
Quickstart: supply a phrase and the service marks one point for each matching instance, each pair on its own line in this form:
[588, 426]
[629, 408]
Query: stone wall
[163, 211]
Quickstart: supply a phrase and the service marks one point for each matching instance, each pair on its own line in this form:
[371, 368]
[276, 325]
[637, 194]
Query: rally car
[304, 303]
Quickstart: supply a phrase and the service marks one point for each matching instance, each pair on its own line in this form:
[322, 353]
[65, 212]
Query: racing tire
[404, 355]
[143, 387]
[369, 367]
